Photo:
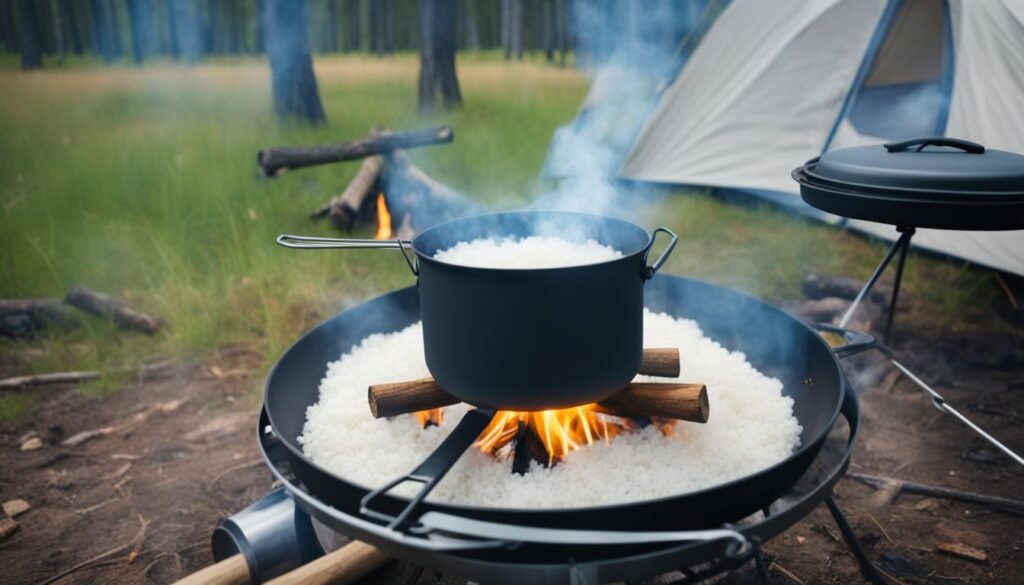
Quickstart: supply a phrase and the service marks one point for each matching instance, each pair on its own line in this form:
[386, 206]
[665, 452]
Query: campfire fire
[559, 431]
[384, 231]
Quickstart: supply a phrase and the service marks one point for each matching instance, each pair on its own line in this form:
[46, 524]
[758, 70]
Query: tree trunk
[114, 27]
[139, 19]
[332, 26]
[517, 28]
[260, 42]
[506, 28]
[59, 42]
[291, 65]
[353, 26]
[31, 55]
[173, 44]
[550, 29]
[71, 30]
[564, 30]
[8, 27]
[103, 42]
[438, 39]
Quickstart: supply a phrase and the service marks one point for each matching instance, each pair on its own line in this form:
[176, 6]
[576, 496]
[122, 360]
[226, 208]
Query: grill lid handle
[920, 143]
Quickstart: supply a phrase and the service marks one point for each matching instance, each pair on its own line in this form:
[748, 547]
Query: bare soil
[152, 491]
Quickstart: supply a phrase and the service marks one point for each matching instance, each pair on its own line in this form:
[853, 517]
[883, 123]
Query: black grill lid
[940, 167]
[937, 182]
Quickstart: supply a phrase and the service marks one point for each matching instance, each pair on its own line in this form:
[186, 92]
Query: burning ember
[384, 227]
[559, 431]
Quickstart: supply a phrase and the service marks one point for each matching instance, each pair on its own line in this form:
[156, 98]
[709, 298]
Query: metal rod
[904, 240]
[941, 404]
[308, 242]
[896, 287]
[867, 568]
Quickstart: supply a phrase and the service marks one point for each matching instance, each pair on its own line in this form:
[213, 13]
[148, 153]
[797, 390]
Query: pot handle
[432, 469]
[920, 143]
[317, 243]
[649, 271]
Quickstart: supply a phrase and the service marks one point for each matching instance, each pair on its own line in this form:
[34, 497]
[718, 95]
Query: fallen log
[687, 402]
[75, 377]
[937, 491]
[109, 307]
[343, 208]
[20, 317]
[273, 160]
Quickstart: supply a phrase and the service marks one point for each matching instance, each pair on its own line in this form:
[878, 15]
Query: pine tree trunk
[8, 27]
[31, 55]
[332, 26]
[114, 27]
[139, 19]
[506, 28]
[71, 30]
[438, 41]
[550, 29]
[353, 26]
[516, 27]
[291, 64]
[59, 41]
[260, 36]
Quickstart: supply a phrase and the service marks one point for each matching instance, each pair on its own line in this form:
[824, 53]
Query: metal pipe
[941, 404]
[904, 240]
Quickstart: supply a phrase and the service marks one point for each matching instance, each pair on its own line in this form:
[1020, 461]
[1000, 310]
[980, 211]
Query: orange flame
[383, 221]
[560, 431]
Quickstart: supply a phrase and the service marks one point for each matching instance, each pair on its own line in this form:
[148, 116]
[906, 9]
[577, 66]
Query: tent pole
[870, 54]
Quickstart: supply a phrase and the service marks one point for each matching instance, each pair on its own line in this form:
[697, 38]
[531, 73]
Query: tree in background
[31, 55]
[291, 64]
[438, 40]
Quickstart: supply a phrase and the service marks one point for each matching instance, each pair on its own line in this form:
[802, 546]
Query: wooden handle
[348, 564]
[660, 361]
[231, 571]
[687, 402]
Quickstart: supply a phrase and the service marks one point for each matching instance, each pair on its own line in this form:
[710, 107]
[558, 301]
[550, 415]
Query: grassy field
[142, 182]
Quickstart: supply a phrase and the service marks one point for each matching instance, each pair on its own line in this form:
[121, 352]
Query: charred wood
[344, 208]
[528, 448]
[110, 307]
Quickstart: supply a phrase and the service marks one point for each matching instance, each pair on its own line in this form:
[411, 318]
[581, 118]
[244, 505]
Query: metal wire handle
[318, 243]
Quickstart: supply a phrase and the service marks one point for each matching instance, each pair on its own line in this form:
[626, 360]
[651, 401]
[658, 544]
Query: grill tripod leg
[896, 285]
[866, 567]
[762, 568]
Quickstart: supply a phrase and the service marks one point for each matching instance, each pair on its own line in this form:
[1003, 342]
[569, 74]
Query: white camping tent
[773, 84]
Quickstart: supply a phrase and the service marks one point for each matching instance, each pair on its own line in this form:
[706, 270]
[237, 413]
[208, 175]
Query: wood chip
[32, 444]
[7, 527]
[15, 507]
[85, 436]
[959, 549]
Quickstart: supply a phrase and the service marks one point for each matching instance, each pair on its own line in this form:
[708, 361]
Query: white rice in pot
[528, 252]
[751, 426]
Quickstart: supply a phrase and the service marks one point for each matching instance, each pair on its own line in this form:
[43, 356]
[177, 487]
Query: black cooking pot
[931, 182]
[528, 339]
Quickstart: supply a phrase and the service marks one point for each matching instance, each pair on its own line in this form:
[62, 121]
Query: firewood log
[110, 307]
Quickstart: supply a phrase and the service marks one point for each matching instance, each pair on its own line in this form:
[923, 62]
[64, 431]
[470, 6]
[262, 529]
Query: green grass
[142, 182]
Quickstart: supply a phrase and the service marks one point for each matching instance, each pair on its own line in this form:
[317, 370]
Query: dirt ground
[175, 452]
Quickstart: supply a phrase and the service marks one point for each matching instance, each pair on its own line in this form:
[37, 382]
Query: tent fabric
[762, 92]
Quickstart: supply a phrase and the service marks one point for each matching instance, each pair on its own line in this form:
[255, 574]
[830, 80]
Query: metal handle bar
[858, 342]
[920, 143]
[318, 243]
[432, 469]
[653, 268]
[462, 526]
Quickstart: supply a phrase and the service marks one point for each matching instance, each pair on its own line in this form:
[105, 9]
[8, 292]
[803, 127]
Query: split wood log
[676, 401]
[397, 398]
[114, 308]
[671, 400]
[273, 160]
[343, 209]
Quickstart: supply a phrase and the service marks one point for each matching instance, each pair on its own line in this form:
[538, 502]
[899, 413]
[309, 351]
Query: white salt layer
[528, 252]
[751, 427]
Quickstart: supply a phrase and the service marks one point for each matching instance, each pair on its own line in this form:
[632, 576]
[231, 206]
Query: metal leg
[909, 232]
[902, 242]
[762, 568]
[867, 569]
